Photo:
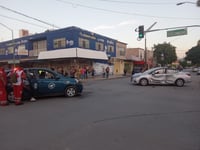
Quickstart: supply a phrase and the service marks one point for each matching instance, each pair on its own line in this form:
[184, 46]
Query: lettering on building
[87, 36]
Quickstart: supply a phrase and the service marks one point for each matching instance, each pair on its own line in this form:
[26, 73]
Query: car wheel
[180, 82]
[10, 96]
[70, 91]
[143, 82]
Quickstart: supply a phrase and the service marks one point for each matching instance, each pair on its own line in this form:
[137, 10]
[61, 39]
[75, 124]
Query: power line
[14, 11]
[138, 3]
[11, 18]
[124, 13]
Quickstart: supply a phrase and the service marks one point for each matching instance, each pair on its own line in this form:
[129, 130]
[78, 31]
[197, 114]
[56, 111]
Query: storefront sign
[88, 36]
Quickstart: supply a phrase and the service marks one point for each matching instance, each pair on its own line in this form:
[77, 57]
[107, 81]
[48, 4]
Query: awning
[73, 53]
[139, 62]
[91, 54]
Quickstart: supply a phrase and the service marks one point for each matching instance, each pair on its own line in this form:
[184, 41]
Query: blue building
[62, 48]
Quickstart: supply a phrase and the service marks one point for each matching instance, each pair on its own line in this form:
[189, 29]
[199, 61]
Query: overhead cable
[14, 11]
[138, 3]
[11, 18]
[124, 13]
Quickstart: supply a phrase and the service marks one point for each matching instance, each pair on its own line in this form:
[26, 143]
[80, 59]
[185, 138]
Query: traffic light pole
[172, 28]
[145, 44]
[145, 51]
[149, 30]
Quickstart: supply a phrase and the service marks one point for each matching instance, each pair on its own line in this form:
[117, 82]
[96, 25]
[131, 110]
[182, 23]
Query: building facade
[136, 57]
[62, 48]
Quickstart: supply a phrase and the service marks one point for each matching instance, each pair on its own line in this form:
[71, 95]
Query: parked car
[46, 82]
[194, 69]
[161, 76]
[136, 69]
[198, 71]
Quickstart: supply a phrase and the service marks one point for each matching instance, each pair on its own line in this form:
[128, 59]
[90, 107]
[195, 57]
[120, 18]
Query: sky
[116, 19]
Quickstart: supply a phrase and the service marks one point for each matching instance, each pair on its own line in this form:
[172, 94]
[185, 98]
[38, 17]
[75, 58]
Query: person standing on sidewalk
[3, 83]
[18, 85]
[103, 72]
[107, 71]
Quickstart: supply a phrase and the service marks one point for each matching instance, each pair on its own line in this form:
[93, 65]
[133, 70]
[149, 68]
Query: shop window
[84, 43]
[99, 46]
[22, 50]
[122, 53]
[59, 43]
[2, 51]
[10, 50]
[111, 49]
[38, 45]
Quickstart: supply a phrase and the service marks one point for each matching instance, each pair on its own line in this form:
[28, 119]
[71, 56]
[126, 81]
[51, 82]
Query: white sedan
[161, 76]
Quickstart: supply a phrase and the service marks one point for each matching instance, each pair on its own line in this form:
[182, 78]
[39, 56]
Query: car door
[49, 83]
[171, 75]
[158, 76]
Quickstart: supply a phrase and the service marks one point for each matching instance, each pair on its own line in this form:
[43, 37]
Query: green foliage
[165, 53]
[194, 55]
[183, 63]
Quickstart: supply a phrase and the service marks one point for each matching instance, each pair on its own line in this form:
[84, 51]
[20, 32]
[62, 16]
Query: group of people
[81, 72]
[16, 75]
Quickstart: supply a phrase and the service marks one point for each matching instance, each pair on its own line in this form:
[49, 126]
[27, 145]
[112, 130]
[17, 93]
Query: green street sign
[177, 32]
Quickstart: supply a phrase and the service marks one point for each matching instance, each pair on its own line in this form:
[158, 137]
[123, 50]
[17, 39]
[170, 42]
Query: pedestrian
[72, 72]
[3, 83]
[107, 71]
[82, 73]
[86, 72]
[125, 71]
[103, 72]
[18, 85]
[27, 87]
[92, 72]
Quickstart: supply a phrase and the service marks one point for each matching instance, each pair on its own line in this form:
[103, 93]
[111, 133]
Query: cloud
[120, 24]
[104, 27]
[126, 23]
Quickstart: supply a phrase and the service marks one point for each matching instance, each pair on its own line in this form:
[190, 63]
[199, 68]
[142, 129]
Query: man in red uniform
[3, 82]
[18, 86]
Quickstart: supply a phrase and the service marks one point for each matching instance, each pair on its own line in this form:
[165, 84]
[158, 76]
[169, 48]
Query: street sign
[177, 32]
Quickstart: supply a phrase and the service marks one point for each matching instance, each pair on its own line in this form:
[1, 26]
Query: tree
[193, 54]
[165, 53]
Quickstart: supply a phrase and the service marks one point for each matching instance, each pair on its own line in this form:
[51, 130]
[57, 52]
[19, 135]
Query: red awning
[139, 62]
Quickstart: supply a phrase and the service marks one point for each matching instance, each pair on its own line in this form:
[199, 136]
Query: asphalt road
[109, 115]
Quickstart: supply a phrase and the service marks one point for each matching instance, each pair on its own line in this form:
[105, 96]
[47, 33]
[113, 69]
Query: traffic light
[141, 32]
